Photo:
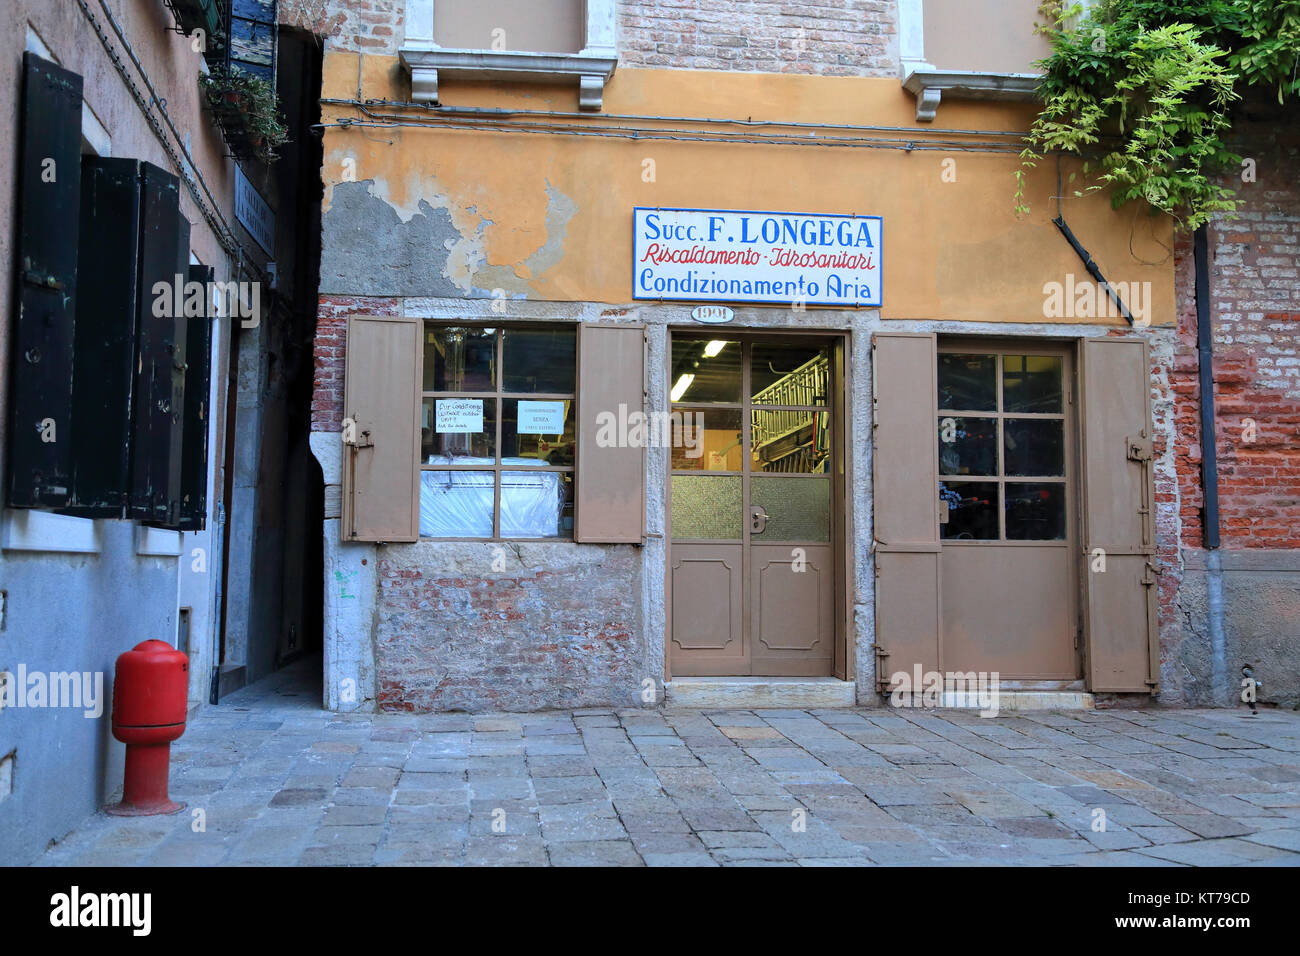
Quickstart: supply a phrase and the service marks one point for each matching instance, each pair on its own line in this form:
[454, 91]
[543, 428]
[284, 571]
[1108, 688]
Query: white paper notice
[458, 415]
[541, 418]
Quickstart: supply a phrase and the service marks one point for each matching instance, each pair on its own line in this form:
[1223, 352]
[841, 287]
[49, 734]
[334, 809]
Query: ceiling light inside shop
[714, 347]
[682, 385]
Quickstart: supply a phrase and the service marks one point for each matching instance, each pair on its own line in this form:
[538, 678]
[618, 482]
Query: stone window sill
[591, 70]
[930, 85]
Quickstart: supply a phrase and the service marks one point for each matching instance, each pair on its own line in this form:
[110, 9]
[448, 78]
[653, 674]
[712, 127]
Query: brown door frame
[841, 408]
[1067, 348]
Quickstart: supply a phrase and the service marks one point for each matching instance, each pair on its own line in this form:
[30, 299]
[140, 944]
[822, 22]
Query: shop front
[612, 419]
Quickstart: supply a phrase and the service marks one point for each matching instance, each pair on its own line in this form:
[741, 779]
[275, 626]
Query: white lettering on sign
[720, 255]
[458, 416]
[541, 418]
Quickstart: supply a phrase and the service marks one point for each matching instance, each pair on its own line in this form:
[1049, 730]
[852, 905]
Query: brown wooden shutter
[905, 468]
[1120, 609]
[610, 480]
[382, 397]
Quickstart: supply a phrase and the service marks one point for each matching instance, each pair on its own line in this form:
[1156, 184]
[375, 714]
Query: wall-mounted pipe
[1090, 264]
[1210, 473]
[1205, 366]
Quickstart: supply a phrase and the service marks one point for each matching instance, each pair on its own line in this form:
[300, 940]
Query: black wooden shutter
[41, 346]
[194, 444]
[176, 370]
[155, 478]
[107, 315]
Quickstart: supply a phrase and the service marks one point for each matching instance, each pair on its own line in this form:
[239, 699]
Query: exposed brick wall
[561, 627]
[1255, 311]
[331, 353]
[832, 37]
[368, 26]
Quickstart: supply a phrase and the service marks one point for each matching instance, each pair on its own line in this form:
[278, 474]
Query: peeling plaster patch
[366, 248]
[371, 247]
[560, 210]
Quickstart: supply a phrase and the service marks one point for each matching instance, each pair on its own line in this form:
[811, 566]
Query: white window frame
[592, 66]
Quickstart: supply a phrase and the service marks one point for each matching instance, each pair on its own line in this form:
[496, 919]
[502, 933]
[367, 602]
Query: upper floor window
[540, 41]
[974, 49]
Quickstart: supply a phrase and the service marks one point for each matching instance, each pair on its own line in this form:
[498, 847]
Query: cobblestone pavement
[281, 782]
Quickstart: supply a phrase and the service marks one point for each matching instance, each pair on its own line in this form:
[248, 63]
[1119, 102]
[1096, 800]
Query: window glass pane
[968, 446]
[532, 504]
[459, 359]
[1031, 383]
[458, 431]
[456, 504]
[1035, 512]
[705, 371]
[1034, 446]
[791, 442]
[968, 382]
[706, 439]
[706, 506]
[539, 360]
[537, 432]
[789, 375]
[972, 510]
[798, 509]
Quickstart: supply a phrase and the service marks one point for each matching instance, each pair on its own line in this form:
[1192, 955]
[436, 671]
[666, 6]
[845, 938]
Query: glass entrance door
[752, 570]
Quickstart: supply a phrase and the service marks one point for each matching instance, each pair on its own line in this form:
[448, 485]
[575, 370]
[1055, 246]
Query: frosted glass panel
[798, 509]
[706, 507]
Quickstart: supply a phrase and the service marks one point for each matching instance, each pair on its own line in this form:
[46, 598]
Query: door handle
[757, 519]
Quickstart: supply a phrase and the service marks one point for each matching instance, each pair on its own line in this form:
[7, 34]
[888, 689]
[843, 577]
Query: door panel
[791, 617]
[707, 613]
[1028, 632]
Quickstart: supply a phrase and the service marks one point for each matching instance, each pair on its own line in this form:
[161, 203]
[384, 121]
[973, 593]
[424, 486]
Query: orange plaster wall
[952, 249]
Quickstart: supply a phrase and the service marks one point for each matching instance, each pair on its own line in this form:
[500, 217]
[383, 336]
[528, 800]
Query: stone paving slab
[269, 779]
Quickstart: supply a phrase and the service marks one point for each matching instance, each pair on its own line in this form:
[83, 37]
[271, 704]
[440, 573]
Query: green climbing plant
[1143, 91]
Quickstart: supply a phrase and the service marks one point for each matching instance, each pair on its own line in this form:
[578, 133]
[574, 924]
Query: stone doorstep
[750, 693]
[1015, 700]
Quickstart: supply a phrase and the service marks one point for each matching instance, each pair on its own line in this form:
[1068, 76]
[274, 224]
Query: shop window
[497, 432]
[1002, 446]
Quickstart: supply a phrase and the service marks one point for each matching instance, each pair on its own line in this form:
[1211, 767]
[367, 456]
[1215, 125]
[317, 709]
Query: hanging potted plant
[247, 111]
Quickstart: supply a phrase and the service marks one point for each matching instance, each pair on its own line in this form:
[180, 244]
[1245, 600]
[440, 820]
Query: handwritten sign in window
[458, 416]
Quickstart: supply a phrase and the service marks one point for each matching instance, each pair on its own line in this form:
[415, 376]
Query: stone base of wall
[1260, 627]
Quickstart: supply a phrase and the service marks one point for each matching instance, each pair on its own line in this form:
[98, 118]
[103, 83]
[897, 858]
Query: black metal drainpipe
[1210, 475]
[1205, 365]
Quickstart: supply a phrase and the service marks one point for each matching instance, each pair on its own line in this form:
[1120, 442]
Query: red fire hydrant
[149, 700]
